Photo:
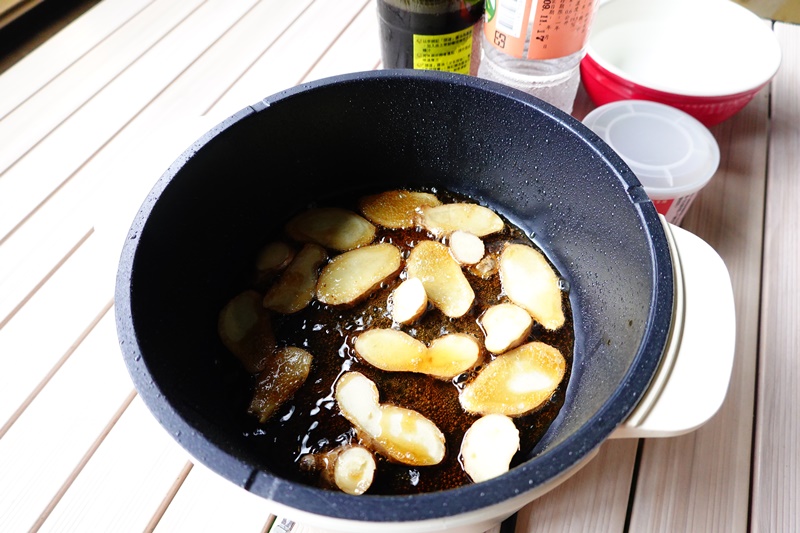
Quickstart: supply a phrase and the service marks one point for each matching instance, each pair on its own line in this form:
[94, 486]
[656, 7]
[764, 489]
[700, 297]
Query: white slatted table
[90, 119]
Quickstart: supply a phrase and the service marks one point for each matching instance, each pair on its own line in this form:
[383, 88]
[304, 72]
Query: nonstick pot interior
[195, 238]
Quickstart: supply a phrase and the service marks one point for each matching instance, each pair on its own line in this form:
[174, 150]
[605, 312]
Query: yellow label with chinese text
[450, 52]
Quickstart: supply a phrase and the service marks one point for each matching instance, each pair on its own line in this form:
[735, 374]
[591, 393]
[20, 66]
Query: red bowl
[604, 87]
[710, 72]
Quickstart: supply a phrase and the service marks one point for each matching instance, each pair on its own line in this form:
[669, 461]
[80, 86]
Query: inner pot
[196, 236]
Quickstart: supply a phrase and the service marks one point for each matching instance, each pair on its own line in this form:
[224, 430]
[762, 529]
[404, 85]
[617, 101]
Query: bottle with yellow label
[536, 46]
[430, 34]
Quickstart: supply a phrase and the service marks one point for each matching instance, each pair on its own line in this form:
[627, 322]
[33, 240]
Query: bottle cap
[671, 153]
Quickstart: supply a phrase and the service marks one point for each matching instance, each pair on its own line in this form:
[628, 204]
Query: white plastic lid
[671, 152]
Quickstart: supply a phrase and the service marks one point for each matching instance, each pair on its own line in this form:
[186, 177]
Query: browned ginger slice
[245, 329]
[529, 281]
[401, 434]
[397, 351]
[294, 290]
[332, 227]
[284, 373]
[353, 275]
[273, 258]
[396, 209]
[445, 283]
[444, 219]
[516, 382]
[486, 267]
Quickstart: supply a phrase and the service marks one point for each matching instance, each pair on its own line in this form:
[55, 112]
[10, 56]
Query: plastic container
[536, 47]
[672, 153]
[430, 34]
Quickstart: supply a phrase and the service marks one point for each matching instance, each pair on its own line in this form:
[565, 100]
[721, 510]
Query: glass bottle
[431, 34]
[536, 46]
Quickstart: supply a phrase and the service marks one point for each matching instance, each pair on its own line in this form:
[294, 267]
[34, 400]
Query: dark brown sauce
[311, 422]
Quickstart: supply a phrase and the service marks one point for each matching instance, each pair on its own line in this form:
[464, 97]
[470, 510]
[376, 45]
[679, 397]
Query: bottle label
[450, 52]
[538, 29]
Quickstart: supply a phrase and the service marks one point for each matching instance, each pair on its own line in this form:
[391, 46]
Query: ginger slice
[273, 258]
[442, 220]
[409, 301]
[402, 435]
[294, 290]
[396, 209]
[488, 447]
[350, 468]
[284, 373]
[331, 227]
[529, 281]
[506, 326]
[396, 351]
[354, 470]
[515, 383]
[467, 249]
[353, 275]
[451, 355]
[245, 328]
[391, 350]
[445, 283]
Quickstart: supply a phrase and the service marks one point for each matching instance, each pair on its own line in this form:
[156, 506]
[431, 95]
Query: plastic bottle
[431, 34]
[536, 46]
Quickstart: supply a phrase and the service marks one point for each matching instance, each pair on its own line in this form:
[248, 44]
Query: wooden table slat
[315, 31]
[68, 420]
[25, 78]
[222, 64]
[776, 483]
[121, 488]
[53, 322]
[60, 155]
[594, 500]
[21, 276]
[353, 50]
[64, 96]
[196, 506]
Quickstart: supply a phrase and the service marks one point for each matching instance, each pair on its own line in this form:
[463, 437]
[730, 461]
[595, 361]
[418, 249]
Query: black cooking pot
[203, 222]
